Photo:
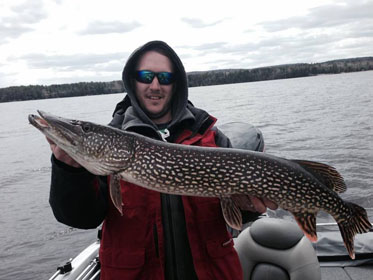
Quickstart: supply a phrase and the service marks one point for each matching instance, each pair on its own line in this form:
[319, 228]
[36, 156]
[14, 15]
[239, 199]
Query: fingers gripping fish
[301, 187]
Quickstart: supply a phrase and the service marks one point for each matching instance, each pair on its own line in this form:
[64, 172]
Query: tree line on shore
[200, 78]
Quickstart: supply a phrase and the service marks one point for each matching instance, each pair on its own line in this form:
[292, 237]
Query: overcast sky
[64, 41]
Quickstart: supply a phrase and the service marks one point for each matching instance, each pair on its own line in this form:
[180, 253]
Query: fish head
[101, 149]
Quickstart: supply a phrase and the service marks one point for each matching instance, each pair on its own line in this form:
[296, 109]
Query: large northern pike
[301, 187]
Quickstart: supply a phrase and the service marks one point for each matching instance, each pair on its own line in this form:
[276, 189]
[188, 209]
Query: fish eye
[86, 127]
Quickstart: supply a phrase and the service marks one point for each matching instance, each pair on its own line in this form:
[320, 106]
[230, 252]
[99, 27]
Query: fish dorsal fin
[326, 174]
[231, 213]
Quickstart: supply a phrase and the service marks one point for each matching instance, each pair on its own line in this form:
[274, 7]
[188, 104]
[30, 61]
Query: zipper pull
[164, 134]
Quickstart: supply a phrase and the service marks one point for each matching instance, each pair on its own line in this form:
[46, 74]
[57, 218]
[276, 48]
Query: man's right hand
[61, 155]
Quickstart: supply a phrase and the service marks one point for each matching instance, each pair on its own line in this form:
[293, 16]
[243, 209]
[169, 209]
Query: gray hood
[179, 100]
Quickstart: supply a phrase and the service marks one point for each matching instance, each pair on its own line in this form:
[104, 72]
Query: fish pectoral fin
[326, 174]
[115, 193]
[307, 223]
[231, 213]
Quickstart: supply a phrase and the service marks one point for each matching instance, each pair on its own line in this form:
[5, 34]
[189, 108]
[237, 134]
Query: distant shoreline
[195, 79]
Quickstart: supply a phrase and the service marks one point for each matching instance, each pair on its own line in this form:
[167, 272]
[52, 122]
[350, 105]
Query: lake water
[323, 118]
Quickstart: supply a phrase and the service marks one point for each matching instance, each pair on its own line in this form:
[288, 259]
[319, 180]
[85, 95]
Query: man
[159, 236]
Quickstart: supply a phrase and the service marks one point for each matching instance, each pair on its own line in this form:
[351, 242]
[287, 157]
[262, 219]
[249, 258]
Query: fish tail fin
[307, 223]
[356, 223]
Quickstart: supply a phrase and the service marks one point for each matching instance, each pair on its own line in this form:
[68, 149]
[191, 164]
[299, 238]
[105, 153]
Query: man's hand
[261, 204]
[61, 155]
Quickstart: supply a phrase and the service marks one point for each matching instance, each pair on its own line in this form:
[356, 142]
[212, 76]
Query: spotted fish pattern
[302, 187]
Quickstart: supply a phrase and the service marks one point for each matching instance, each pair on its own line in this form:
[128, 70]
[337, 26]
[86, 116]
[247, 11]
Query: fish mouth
[58, 129]
[37, 121]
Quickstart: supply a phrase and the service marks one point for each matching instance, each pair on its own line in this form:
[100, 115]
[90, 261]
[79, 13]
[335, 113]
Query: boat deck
[347, 273]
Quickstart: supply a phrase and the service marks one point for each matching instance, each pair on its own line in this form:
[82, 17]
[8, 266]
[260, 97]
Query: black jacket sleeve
[77, 197]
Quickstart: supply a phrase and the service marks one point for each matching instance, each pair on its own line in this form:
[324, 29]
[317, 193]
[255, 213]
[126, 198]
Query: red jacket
[128, 247]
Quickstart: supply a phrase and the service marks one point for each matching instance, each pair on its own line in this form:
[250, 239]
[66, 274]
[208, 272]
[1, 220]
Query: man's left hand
[261, 204]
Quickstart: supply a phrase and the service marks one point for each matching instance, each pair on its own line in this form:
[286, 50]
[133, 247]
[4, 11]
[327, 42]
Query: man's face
[154, 97]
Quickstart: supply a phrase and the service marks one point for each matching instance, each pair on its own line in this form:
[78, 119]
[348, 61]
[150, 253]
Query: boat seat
[276, 249]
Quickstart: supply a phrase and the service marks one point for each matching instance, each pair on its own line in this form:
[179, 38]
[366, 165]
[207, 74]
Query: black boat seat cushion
[276, 249]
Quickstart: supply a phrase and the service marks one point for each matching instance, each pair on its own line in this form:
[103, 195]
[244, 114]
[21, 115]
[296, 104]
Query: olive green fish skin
[301, 187]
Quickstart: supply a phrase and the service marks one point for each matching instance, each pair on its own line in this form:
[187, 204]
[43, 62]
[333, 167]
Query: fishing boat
[272, 247]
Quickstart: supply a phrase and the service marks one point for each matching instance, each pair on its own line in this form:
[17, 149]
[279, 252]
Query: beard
[155, 116]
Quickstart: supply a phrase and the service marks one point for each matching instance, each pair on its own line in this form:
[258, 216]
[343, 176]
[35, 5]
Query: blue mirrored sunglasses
[147, 77]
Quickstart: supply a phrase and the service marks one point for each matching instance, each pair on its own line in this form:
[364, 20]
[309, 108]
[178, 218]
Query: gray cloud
[208, 47]
[29, 12]
[9, 31]
[96, 67]
[198, 23]
[107, 27]
[325, 16]
[283, 49]
[22, 20]
[303, 48]
[327, 32]
[88, 62]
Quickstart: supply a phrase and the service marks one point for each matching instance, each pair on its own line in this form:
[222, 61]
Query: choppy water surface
[324, 118]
